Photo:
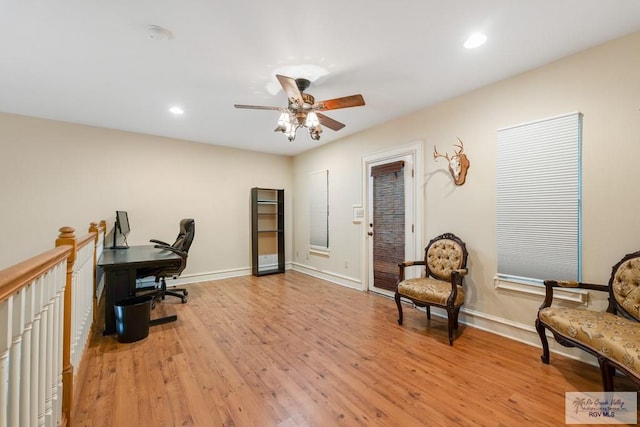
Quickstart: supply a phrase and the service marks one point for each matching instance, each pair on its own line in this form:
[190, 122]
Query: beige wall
[159, 180]
[602, 83]
[46, 165]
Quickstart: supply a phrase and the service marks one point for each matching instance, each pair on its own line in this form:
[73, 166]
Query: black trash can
[132, 318]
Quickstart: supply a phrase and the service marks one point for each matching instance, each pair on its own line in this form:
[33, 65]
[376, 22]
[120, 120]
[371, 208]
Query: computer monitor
[122, 228]
[122, 219]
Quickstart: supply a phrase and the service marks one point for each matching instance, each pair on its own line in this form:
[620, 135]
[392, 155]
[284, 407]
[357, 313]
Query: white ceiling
[94, 62]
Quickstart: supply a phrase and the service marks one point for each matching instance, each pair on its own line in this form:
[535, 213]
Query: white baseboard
[516, 331]
[349, 282]
[187, 279]
[520, 332]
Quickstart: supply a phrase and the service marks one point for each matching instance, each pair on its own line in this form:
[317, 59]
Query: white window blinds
[319, 210]
[538, 199]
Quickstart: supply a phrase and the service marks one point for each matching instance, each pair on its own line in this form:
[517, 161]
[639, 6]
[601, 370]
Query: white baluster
[44, 353]
[50, 352]
[6, 319]
[59, 338]
[25, 374]
[15, 357]
[76, 311]
[35, 351]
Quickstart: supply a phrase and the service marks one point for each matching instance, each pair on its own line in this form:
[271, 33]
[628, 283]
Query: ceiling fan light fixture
[290, 132]
[284, 120]
[315, 132]
[312, 120]
[286, 126]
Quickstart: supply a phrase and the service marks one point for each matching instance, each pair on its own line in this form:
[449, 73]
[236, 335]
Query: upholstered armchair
[445, 261]
[612, 336]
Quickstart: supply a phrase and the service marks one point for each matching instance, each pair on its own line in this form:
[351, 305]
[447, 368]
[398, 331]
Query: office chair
[181, 247]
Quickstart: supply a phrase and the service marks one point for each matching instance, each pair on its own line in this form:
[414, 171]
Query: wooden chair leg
[428, 308]
[544, 341]
[608, 373]
[399, 304]
[451, 321]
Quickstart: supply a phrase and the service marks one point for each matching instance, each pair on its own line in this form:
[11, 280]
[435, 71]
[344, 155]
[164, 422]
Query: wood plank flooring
[292, 350]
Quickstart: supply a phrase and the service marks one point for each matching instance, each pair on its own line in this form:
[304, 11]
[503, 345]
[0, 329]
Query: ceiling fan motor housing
[302, 84]
[307, 103]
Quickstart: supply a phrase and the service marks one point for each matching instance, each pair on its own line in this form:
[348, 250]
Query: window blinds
[538, 199]
[319, 210]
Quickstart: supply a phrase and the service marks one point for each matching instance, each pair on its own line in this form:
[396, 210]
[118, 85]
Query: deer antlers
[436, 154]
[461, 145]
[446, 155]
[458, 162]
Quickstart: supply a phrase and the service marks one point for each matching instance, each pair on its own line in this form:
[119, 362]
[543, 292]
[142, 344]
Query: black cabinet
[267, 231]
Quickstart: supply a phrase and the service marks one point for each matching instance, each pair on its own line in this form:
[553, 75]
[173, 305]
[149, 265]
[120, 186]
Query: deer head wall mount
[458, 163]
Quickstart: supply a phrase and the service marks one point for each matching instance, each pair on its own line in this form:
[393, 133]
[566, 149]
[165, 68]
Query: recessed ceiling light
[475, 40]
[176, 110]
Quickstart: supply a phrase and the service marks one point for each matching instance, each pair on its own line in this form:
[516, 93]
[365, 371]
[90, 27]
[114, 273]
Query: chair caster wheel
[184, 300]
[185, 292]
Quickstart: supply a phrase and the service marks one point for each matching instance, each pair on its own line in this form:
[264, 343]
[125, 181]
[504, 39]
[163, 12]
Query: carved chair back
[624, 287]
[444, 254]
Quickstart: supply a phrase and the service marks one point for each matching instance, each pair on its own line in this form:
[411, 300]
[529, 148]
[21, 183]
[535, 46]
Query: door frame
[414, 149]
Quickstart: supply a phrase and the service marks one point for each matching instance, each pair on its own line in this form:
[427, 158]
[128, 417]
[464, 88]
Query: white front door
[392, 232]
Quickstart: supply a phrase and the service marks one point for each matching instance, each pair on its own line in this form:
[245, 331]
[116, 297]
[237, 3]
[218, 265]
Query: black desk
[121, 266]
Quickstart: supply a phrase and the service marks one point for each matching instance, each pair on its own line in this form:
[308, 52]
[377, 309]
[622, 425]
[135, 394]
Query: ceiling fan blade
[256, 107]
[290, 87]
[344, 102]
[329, 122]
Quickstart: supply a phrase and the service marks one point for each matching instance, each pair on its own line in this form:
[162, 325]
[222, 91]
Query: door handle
[370, 233]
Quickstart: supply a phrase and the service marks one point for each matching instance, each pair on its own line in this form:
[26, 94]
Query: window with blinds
[538, 224]
[319, 211]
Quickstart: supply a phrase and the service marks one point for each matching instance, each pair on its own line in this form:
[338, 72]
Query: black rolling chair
[181, 247]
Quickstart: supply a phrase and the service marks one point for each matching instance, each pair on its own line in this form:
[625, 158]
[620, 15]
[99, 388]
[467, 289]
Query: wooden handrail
[86, 239]
[16, 277]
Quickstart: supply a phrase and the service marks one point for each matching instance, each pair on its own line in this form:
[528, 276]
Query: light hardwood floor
[292, 350]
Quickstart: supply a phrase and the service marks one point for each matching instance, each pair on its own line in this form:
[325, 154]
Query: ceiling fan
[302, 110]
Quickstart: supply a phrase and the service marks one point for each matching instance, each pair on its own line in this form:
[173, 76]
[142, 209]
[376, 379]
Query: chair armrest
[410, 263]
[183, 254]
[567, 284]
[456, 279]
[160, 242]
[406, 264]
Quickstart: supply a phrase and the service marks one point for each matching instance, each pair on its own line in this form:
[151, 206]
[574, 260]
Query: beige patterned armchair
[613, 337]
[445, 261]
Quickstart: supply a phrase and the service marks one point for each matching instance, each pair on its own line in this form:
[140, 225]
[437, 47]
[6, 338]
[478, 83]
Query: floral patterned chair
[445, 261]
[613, 336]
